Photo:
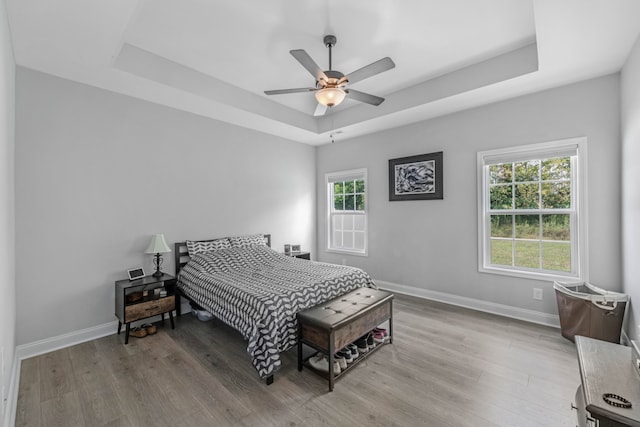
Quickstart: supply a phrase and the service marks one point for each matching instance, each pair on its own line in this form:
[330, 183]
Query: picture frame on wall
[416, 177]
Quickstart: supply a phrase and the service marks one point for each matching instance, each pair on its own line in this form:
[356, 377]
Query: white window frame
[330, 178]
[579, 249]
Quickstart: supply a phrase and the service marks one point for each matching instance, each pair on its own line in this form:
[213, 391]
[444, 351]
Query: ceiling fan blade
[320, 110]
[307, 62]
[365, 97]
[296, 90]
[372, 69]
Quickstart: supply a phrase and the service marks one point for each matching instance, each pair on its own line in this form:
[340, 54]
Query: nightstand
[136, 300]
[301, 255]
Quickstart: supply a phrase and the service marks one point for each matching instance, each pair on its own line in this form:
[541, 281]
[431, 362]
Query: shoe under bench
[332, 325]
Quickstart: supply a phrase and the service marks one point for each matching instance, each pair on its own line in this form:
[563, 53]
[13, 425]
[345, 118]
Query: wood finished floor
[447, 366]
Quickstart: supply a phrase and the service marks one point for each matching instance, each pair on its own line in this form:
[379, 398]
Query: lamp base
[157, 261]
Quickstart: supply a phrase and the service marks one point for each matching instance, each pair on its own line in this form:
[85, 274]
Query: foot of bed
[270, 380]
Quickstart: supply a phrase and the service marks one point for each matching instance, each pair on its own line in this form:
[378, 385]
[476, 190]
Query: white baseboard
[47, 345]
[12, 395]
[480, 305]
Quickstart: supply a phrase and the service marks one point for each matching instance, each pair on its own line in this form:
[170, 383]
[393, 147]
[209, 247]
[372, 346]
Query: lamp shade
[157, 245]
[330, 96]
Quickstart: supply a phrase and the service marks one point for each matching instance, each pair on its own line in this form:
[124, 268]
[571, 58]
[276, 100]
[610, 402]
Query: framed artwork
[416, 177]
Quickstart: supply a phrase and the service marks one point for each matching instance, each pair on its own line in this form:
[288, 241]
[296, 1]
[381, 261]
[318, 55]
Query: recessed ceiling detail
[215, 59]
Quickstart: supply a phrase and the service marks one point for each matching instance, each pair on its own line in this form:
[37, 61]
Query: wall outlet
[537, 293]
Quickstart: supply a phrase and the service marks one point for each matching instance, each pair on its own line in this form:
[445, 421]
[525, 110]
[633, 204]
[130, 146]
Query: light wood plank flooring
[448, 366]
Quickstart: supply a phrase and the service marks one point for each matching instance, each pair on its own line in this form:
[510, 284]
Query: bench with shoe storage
[346, 324]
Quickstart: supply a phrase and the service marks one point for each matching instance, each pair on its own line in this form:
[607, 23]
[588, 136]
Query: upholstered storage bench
[332, 325]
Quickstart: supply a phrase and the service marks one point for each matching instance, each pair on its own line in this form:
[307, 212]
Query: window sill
[346, 252]
[546, 277]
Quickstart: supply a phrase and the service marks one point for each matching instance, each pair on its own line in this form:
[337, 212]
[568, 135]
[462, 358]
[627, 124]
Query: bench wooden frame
[332, 325]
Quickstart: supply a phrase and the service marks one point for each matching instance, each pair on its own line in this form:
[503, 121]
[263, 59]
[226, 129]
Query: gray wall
[630, 100]
[98, 173]
[432, 245]
[7, 207]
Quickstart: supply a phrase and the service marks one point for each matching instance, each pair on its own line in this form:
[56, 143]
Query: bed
[257, 291]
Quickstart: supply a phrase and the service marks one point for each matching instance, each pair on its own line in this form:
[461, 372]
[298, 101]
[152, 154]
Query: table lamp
[158, 246]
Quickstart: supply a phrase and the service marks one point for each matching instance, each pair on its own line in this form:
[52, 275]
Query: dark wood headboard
[181, 255]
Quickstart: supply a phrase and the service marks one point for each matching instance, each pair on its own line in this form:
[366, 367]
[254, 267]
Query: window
[530, 201]
[347, 211]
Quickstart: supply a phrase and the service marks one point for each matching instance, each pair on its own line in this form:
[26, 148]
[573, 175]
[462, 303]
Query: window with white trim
[531, 215]
[347, 211]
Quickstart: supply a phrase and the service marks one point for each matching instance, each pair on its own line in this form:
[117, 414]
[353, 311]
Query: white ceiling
[217, 57]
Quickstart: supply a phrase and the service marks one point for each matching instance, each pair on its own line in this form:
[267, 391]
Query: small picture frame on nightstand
[295, 248]
[287, 249]
[135, 273]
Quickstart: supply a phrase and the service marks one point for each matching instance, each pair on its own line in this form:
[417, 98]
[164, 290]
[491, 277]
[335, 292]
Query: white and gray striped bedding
[258, 292]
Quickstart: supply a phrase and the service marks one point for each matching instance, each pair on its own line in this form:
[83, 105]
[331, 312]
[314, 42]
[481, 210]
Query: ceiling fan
[332, 86]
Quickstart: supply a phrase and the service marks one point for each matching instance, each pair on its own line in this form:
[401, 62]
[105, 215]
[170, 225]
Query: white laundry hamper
[589, 311]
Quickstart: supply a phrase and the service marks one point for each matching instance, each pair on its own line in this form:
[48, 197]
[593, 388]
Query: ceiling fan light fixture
[330, 96]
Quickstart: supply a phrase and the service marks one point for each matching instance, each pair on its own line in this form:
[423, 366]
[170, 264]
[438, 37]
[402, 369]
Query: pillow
[213, 245]
[252, 240]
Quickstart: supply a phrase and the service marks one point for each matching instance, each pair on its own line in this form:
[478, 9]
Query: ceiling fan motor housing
[330, 40]
[334, 79]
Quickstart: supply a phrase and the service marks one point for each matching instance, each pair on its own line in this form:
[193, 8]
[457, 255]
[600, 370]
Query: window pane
[502, 226]
[527, 196]
[556, 195]
[527, 254]
[338, 203]
[359, 241]
[501, 252]
[358, 222]
[349, 201]
[556, 256]
[360, 202]
[338, 188]
[347, 239]
[337, 222]
[557, 168]
[347, 222]
[337, 239]
[527, 226]
[348, 187]
[360, 186]
[500, 173]
[556, 227]
[527, 170]
[501, 197]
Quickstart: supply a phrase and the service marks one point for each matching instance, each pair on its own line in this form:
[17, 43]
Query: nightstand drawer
[149, 308]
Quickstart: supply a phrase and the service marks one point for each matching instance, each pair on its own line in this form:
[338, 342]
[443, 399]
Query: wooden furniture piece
[136, 300]
[332, 325]
[607, 368]
[301, 255]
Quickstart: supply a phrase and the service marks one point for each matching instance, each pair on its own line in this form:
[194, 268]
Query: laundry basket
[590, 311]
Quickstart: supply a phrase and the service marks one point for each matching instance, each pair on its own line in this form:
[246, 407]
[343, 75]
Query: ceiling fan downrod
[330, 41]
